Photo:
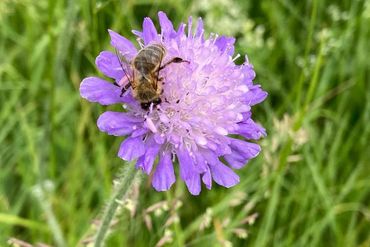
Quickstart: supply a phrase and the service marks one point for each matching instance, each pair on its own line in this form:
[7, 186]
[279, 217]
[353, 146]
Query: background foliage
[309, 187]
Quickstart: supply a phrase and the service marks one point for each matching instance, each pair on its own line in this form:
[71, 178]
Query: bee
[145, 81]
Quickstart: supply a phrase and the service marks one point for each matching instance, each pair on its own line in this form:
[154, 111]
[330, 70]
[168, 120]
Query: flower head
[205, 109]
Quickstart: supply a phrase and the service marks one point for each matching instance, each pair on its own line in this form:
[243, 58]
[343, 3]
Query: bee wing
[125, 65]
[157, 69]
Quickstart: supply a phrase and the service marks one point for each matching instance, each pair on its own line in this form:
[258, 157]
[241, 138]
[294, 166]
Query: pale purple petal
[118, 123]
[186, 164]
[255, 95]
[123, 45]
[164, 174]
[146, 161]
[248, 73]
[108, 63]
[225, 43]
[149, 157]
[131, 148]
[138, 34]
[199, 30]
[200, 162]
[140, 162]
[207, 179]
[223, 175]
[235, 160]
[139, 132]
[247, 149]
[181, 30]
[190, 26]
[250, 130]
[166, 25]
[193, 184]
[188, 172]
[98, 90]
[216, 166]
[149, 31]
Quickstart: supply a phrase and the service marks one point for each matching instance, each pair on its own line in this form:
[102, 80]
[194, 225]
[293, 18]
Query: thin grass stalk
[125, 182]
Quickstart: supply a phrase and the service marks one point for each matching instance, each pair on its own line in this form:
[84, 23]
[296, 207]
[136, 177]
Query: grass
[309, 187]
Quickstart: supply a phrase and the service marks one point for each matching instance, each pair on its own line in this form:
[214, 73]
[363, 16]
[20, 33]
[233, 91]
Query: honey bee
[145, 81]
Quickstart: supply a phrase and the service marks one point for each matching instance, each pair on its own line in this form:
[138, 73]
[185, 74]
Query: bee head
[146, 105]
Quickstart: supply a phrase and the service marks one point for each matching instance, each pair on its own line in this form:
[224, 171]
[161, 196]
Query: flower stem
[125, 182]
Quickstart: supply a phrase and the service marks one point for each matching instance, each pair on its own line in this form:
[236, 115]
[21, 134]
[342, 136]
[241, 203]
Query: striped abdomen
[149, 59]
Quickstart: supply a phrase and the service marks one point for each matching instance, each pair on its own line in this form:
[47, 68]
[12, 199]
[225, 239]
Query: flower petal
[199, 30]
[186, 164]
[223, 175]
[242, 151]
[248, 72]
[164, 175]
[139, 132]
[98, 90]
[107, 62]
[122, 44]
[149, 157]
[247, 149]
[255, 95]
[190, 26]
[138, 33]
[181, 30]
[166, 25]
[235, 160]
[250, 130]
[118, 123]
[188, 172]
[200, 162]
[225, 43]
[193, 184]
[207, 179]
[149, 31]
[131, 148]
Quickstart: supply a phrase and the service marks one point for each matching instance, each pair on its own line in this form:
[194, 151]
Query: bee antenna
[120, 63]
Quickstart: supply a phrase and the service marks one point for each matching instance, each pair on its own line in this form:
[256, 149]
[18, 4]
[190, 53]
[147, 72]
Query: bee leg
[174, 60]
[116, 84]
[124, 89]
[127, 86]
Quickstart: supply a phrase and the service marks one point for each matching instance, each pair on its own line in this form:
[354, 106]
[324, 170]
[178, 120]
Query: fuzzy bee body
[149, 59]
[145, 82]
[146, 85]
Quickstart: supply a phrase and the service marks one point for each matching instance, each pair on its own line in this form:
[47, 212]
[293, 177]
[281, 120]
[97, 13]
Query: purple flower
[204, 114]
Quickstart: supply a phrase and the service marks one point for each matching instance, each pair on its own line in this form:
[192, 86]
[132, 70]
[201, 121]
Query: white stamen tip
[243, 88]
[151, 125]
[236, 57]
[201, 140]
[221, 131]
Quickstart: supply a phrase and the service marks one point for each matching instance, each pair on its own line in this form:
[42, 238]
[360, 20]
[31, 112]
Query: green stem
[121, 192]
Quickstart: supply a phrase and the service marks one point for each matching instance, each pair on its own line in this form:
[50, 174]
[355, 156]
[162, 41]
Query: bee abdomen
[149, 58]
